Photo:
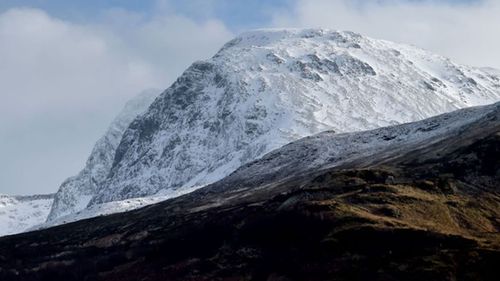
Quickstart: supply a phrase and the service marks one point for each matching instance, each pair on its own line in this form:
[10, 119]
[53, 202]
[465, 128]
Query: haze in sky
[67, 67]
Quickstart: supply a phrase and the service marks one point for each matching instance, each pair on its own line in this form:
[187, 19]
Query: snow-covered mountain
[75, 192]
[18, 213]
[267, 88]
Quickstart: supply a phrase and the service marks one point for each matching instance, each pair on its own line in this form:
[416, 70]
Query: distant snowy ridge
[267, 88]
[111, 208]
[75, 192]
[23, 198]
[18, 213]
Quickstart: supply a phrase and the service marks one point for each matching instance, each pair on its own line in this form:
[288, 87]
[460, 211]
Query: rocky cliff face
[266, 88]
[75, 192]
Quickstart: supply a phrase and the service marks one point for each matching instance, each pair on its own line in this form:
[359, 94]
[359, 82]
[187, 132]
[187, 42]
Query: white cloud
[50, 65]
[61, 83]
[468, 33]
[173, 42]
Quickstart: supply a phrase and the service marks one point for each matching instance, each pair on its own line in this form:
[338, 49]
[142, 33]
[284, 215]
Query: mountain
[75, 192]
[18, 213]
[268, 87]
[423, 205]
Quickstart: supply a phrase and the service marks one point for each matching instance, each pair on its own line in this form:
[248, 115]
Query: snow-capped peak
[266, 88]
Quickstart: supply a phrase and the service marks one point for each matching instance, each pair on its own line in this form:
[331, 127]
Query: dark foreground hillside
[431, 213]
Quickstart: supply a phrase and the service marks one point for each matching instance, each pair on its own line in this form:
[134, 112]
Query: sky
[67, 67]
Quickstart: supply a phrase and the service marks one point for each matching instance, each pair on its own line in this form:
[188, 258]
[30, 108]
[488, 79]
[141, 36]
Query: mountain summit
[266, 88]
